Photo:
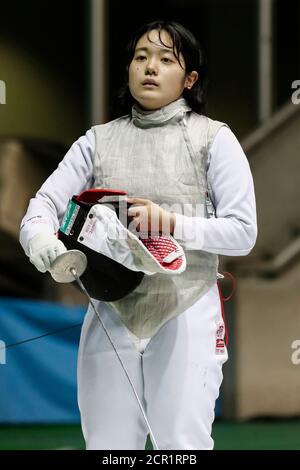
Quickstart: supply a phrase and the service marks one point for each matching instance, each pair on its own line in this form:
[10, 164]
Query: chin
[150, 105]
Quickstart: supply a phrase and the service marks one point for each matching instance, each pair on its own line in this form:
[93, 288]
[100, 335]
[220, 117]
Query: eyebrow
[146, 49]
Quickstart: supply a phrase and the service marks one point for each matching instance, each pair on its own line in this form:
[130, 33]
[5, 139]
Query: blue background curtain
[38, 380]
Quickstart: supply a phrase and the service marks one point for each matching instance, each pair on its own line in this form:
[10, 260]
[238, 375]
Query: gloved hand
[44, 248]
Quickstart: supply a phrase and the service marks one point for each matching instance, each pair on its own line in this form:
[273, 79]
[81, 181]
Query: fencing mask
[96, 223]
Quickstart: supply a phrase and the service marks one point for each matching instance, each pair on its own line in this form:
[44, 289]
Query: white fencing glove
[44, 248]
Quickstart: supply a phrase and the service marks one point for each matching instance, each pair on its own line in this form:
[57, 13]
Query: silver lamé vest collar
[173, 111]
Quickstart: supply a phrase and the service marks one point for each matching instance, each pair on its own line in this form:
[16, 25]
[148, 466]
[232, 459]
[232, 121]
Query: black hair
[184, 42]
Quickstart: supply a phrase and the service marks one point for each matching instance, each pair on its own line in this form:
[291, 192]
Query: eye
[140, 57]
[166, 60]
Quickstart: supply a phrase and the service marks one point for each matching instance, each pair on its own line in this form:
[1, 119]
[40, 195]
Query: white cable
[73, 271]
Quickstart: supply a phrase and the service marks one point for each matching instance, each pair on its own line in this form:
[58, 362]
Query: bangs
[176, 43]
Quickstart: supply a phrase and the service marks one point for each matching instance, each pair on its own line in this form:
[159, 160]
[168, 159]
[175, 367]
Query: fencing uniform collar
[150, 118]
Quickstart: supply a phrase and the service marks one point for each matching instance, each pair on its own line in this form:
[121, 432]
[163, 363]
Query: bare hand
[150, 217]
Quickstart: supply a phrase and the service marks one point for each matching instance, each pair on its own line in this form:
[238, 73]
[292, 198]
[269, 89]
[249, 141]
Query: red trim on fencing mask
[163, 249]
[92, 196]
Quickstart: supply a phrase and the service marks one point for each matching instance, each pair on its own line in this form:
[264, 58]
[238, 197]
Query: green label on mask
[69, 217]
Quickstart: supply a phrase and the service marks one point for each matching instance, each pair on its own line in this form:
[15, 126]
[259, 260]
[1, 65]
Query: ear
[190, 79]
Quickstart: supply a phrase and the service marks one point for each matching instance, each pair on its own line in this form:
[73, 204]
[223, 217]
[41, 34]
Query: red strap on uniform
[225, 299]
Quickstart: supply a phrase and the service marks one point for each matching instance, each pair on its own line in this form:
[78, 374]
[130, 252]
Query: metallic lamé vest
[162, 156]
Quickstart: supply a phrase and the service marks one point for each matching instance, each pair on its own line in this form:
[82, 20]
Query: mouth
[149, 82]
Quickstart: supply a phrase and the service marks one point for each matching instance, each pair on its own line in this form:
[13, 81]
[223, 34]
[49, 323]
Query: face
[155, 76]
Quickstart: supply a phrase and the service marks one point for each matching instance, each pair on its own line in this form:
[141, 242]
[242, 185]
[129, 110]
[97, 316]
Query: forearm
[73, 174]
[222, 236]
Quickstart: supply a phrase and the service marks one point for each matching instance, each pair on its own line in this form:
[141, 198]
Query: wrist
[167, 222]
[172, 222]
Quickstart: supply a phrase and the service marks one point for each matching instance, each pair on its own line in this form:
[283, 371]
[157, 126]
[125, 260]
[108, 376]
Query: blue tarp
[38, 378]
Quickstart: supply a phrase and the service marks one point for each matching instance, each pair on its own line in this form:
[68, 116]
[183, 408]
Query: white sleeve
[73, 175]
[233, 231]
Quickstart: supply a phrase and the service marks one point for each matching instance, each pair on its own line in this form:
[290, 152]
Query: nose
[151, 67]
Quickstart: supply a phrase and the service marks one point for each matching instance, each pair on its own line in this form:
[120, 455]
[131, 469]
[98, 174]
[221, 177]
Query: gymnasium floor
[254, 435]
